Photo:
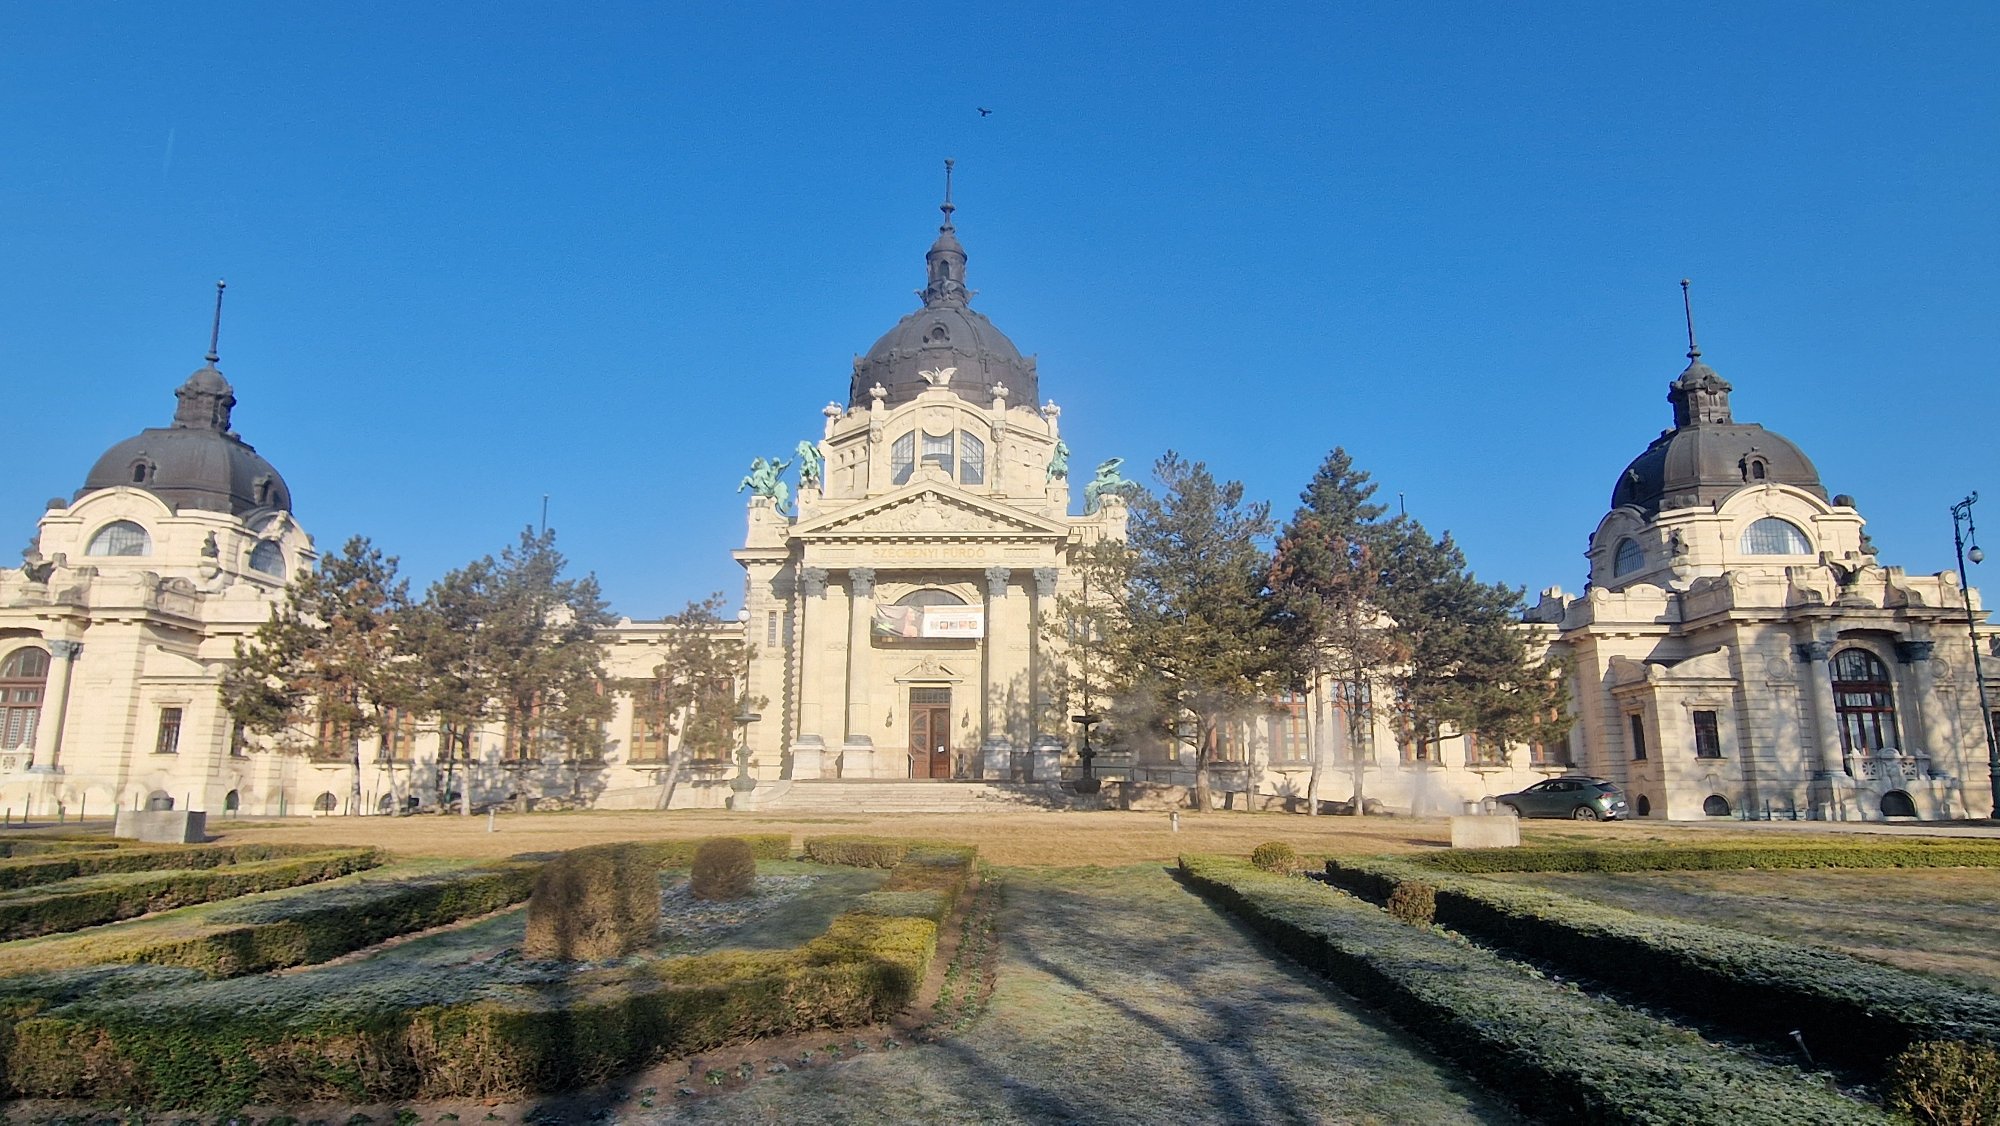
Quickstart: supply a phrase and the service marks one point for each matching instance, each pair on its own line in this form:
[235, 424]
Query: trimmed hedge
[51, 846]
[1558, 1054]
[594, 903]
[1853, 1013]
[723, 868]
[680, 854]
[35, 870]
[863, 968]
[304, 932]
[57, 910]
[858, 852]
[1673, 858]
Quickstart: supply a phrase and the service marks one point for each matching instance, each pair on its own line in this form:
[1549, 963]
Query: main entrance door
[930, 732]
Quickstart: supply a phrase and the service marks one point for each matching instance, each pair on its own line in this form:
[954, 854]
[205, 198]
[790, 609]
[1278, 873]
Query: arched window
[1896, 803]
[326, 802]
[1864, 702]
[971, 459]
[1715, 805]
[122, 537]
[268, 558]
[141, 471]
[902, 458]
[1644, 805]
[23, 676]
[1628, 559]
[1772, 536]
[231, 802]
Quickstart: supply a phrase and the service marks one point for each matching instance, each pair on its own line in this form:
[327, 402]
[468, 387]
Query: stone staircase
[890, 796]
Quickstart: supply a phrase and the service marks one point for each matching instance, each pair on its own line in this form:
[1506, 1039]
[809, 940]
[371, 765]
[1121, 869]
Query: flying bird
[984, 112]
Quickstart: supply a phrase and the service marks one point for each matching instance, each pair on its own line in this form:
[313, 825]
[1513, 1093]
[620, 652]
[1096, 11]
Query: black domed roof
[198, 462]
[945, 333]
[1708, 455]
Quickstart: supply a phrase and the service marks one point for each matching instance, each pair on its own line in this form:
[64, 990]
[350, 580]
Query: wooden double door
[930, 732]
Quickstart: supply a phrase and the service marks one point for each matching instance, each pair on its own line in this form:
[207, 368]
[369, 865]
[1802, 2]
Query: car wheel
[1510, 807]
[1583, 813]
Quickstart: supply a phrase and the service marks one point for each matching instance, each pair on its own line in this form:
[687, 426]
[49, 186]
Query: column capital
[997, 579]
[66, 650]
[812, 580]
[1912, 652]
[1810, 651]
[862, 580]
[1045, 581]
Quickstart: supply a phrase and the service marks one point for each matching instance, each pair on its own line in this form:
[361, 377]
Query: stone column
[1045, 752]
[55, 704]
[859, 747]
[811, 651]
[1820, 793]
[1924, 726]
[996, 751]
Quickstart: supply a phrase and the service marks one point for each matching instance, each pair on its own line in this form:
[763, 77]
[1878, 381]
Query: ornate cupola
[198, 462]
[1708, 454]
[944, 333]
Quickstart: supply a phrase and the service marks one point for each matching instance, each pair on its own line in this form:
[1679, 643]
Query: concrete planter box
[162, 826]
[1499, 830]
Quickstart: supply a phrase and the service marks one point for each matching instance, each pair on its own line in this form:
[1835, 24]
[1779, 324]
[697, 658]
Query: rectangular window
[770, 629]
[1550, 754]
[170, 732]
[1289, 741]
[902, 458]
[1483, 751]
[1707, 736]
[971, 459]
[1638, 736]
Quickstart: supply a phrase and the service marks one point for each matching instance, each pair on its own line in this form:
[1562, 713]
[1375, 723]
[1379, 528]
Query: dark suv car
[1583, 799]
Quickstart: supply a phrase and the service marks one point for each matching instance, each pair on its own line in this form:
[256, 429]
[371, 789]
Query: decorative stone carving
[997, 579]
[862, 581]
[812, 580]
[1045, 581]
[1911, 652]
[66, 650]
[938, 377]
[1810, 651]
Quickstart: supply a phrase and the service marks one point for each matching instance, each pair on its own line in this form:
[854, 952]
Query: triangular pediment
[929, 509]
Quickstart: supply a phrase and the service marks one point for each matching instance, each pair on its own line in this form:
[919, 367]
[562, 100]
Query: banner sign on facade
[930, 621]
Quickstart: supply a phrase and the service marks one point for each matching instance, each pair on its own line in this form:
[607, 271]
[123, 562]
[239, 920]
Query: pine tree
[692, 696]
[325, 670]
[1326, 584]
[1191, 640]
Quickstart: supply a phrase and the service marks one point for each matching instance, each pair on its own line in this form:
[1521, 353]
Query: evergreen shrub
[1560, 1055]
[1414, 902]
[723, 868]
[680, 854]
[858, 852]
[593, 903]
[1850, 1012]
[1276, 856]
[1946, 1083]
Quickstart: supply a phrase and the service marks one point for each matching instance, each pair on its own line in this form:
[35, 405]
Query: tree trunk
[1315, 730]
[1203, 751]
[674, 763]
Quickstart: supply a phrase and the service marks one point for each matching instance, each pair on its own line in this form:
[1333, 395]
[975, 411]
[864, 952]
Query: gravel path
[1122, 998]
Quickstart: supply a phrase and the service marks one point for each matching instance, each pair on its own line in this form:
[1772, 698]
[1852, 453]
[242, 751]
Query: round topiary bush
[590, 904]
[1414, 902]
[724, 868]
[1946, 1083]
[1276, 856]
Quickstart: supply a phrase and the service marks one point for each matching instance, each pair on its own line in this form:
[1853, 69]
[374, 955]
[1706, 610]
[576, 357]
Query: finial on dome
[947, 207]
[1687, 307]
[215, 328]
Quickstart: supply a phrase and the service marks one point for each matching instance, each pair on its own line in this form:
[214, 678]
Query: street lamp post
[1963, 532]
[1088, 784]
[743, 783]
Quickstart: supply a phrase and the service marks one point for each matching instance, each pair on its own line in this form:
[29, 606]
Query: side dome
[1708, 455]
[198, 462]
[945, 333]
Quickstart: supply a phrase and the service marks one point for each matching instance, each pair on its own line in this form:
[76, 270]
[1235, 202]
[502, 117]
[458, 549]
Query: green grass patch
[1852, 1013]
[1560, 1055]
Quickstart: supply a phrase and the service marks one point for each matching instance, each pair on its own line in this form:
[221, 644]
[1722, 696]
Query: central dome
[198, 462]
[945, 333]
[1708, 454]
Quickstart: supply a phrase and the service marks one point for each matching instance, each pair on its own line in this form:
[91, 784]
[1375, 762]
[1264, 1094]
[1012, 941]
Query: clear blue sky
[611, 252]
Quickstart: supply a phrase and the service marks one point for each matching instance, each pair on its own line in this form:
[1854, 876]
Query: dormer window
[142, 472]
[937, 335]
[121, 537]
[1755, 468]
[267, 558]
[1629, 558]
[1772, 536]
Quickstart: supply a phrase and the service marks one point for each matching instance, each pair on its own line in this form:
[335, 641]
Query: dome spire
[945, 264]
[1699, 395]
[1687, 307]
[215, 327]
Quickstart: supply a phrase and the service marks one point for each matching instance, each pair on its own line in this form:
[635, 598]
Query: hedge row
[1669, 858]
[1850, 1012]
[680, 854]
[307, 931]
[56, 911]
[51, 846]
[32, 871]
[859, 852]
[863, 968]
[1558, 1054]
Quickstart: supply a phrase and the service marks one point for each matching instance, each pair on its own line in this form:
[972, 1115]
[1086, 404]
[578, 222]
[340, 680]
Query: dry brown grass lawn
[1038, 839]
